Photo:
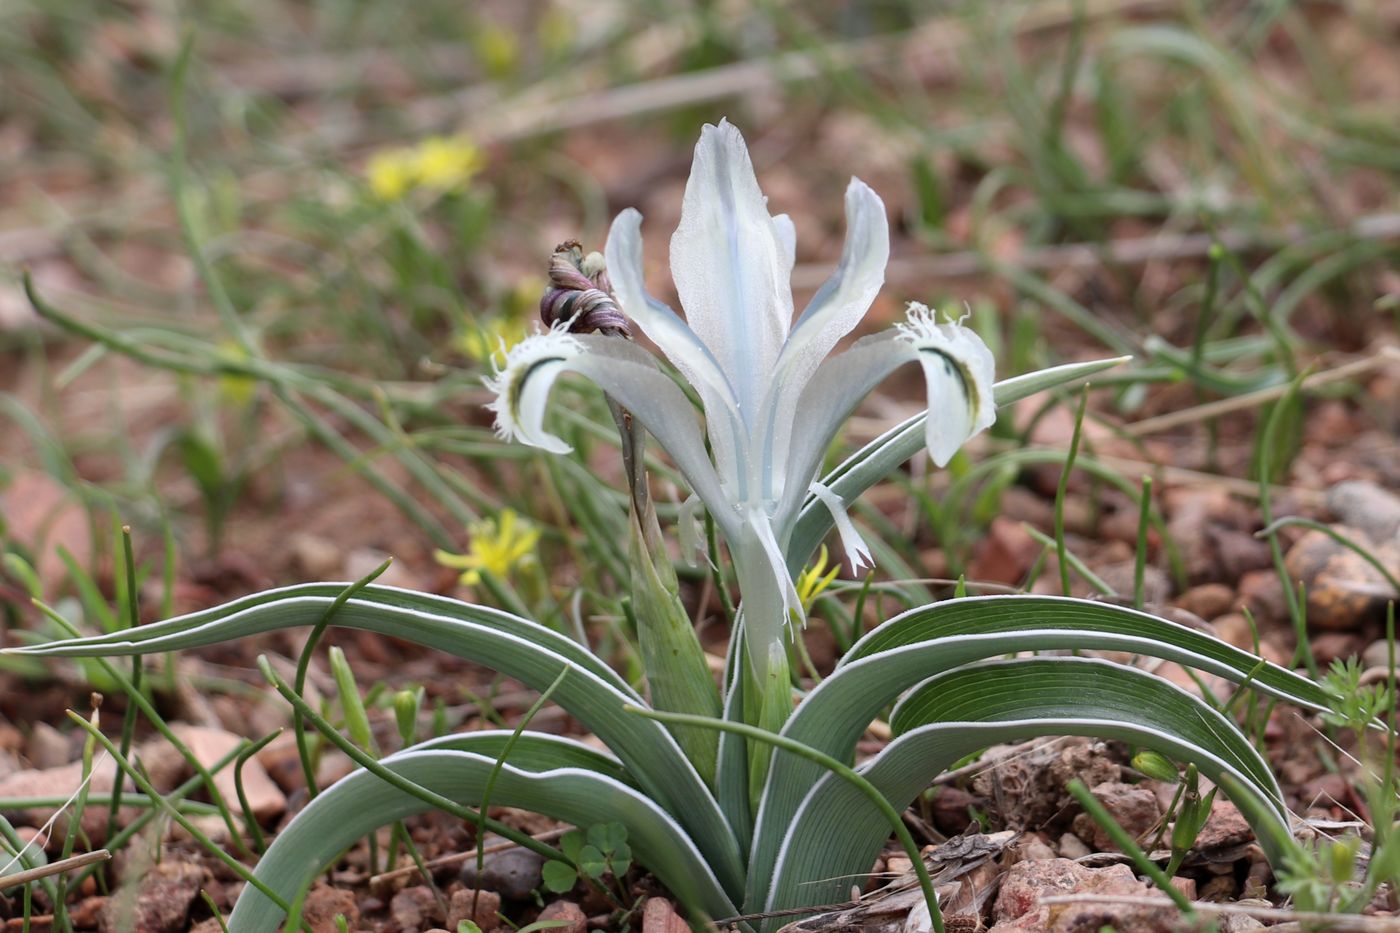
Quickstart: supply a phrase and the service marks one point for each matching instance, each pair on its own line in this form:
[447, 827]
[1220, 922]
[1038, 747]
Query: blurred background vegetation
[272, 276]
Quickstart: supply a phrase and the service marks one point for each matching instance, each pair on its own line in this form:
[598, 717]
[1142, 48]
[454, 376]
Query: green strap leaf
[532, 751]
[373, 594]
[933, 639]
[513, 646]
[361, 803]
[991, 615]
[836, 833]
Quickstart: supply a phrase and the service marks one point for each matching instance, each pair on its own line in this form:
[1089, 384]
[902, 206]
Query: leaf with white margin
[837, 833]
[361, 803]
[531, 751]
[931, 639]
[516, 647]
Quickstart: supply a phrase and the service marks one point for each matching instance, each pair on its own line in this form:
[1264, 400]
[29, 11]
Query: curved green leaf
[942, 636]
[373, 594]
[836, 832]
[361, 803]
[515, 647]
[1008, 614]
[1066, 686]
[532, 751]
[732, 769]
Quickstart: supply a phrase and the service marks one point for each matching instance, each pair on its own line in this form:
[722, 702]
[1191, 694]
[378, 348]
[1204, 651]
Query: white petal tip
[959, 370]
[522, 385]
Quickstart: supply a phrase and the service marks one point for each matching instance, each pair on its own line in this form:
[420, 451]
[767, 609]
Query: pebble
[159, 903]
[572, 914]
[1377, 654]
[1033, 846]
[1133, 806]
[208, 746]
[1330, 646]
[317, 558]
[323, 903]
[9, 763]
[1210, 601]
[1234, 629]
[1197, 518]
[1262, 593]
[1225, 826]
[1120, 576]
[47, 747]
[364, 560]
[1365, 505]
[42, 516]
[62, 782]
[487, 904]
[1238, 552]
[1072, 847]
[1344, 590]
[658, 916]
[1005, 554]
[512, 873]
[1018, 908]
[415, 909]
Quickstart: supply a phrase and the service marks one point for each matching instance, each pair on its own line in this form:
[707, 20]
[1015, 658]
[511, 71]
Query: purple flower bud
[585, 302]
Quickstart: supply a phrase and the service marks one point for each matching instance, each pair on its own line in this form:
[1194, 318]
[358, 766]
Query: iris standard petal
[843, 299]
[682, 347]
[627, 373]
[730, 268]
[833, 312]
[770, 600]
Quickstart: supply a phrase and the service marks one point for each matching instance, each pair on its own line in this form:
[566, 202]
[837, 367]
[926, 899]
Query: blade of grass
[308, 770]
[148, 708]
[1063, 487]
[216, 850]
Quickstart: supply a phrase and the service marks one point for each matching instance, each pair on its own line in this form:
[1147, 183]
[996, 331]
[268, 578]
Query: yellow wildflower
[495, 548]
[811, 582]
[483, 341]
[444, 163]
[238, 390]
[390, 174]
[441, 163]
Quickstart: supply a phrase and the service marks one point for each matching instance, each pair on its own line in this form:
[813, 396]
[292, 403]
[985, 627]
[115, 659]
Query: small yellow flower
[496, 548]
[390, 174]
[811, 583]
[440, 163]
[483, 341]
[235, 389]
[444, 163]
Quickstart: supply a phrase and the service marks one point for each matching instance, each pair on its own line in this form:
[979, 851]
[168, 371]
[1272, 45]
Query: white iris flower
[773, 397]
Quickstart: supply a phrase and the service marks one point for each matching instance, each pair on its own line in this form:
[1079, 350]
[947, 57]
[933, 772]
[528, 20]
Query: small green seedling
[602, 851]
